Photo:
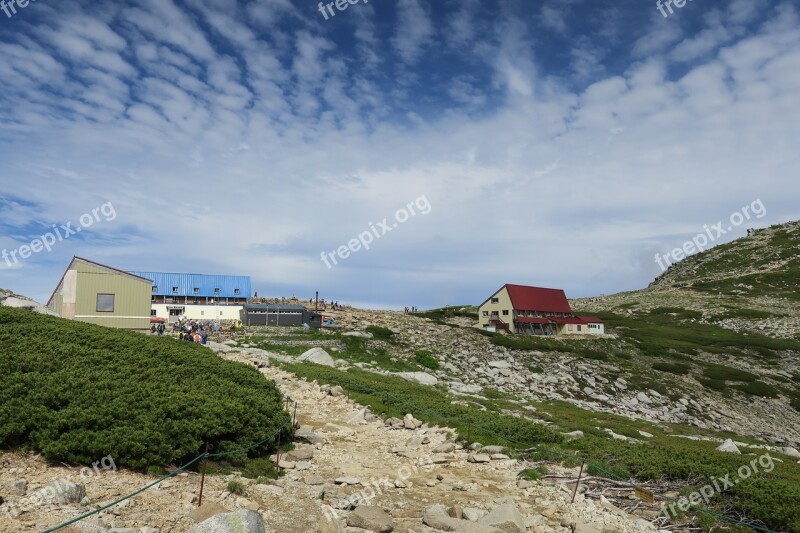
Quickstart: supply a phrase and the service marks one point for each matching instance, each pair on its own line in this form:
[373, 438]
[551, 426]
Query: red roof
[538, 299]
[590, 319]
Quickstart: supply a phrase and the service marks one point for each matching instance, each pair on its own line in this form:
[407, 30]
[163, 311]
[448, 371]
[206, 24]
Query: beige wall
[77, 297]
[504, 302]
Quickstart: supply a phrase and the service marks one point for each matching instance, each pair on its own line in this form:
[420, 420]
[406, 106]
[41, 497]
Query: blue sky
[558, 143]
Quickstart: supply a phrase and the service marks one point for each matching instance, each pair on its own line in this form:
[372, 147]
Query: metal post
[577, 482]
[278, 455]
[203, 475]
[294, 415]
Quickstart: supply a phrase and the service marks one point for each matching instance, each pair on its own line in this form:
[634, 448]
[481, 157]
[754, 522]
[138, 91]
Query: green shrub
[726, 373]
[535, 369]
[380, 333]
[236, 487]
[533, 474]
[713, 384]
[795, 402]
[672, 368]
[426, 359]
[758, 388]
[77, 392]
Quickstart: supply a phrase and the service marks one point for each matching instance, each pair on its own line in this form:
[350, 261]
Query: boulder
[61, 492]
[506, 518]
[305, 433]
[479, 458]
[371, 519]
[437, 518]
[241, 521]
[318, 356]
[422, 378]
[728, 446]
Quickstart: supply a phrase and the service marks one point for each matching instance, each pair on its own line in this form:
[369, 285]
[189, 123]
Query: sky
[394, 152]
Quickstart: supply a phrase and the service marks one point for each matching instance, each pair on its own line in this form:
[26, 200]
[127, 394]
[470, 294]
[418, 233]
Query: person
[152, 329]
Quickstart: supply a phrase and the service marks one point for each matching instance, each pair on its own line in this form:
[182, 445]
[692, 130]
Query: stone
[791, 452]
[305, 433]
[499, 364]
[241, 521]
[18, 487]
[206, 511]
[371, 518]
[479, 458]
[445, 447]
[347, 481]
[472, 514]
[645, 434]
[572, 435]
[505, 517]
[336, 391]
[491, 450]
[437, 518]
[302, 452]
[421, 378]
[359, 418]
[317, 356]
[728, 446]
[62, 492]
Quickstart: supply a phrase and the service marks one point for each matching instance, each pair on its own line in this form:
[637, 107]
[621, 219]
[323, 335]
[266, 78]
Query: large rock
[61, 492]
[728, 446]
[437, 518]
[505, 517]
[371, 519]
[305, 433]
[241, 521]
[318, 356]
[9, 299]
[422, 378]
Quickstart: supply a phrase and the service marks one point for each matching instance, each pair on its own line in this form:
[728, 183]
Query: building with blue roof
[197, 296]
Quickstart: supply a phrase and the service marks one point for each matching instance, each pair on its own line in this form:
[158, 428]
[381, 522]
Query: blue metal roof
[229, 286]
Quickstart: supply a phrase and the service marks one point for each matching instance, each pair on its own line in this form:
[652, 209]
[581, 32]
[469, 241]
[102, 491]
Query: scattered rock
[728, 446]
[318, 356]
[371, 519]
[241, 521]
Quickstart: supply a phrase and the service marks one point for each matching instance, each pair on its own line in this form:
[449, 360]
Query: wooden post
[577, 482]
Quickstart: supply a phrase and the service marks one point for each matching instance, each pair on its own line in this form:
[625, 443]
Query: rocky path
[402, 478]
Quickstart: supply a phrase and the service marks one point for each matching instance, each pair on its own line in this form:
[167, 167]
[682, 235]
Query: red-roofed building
[534, 311]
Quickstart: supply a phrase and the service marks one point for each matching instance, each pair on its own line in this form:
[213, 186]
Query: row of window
[196, 290]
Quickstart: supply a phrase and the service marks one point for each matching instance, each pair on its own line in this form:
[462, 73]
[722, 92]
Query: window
[197, 290]
[105, 303]
[152, 312]
[174, 290]
[236, 291]
[153, 299]
[505, 312]
[202, 313]
[217, 291]
[155, 288]
[486, 313]
[579, 327]
[495, 300]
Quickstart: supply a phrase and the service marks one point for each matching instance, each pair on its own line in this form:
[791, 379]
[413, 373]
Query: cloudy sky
[558, 143]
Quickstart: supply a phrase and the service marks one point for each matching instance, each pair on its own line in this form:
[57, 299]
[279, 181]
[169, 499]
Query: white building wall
[201, 312]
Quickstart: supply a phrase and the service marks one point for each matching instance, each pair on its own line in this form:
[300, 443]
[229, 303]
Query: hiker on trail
[152, 329]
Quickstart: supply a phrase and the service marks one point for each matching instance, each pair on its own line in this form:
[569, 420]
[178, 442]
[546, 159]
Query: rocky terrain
[349, 471]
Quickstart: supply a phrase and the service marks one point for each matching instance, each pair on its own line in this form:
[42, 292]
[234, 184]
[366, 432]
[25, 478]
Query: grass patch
[236, 487]
[726, 373]
[380, 333]
[758, 388]
[426, 359]
[713, 384]
[673, 368]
